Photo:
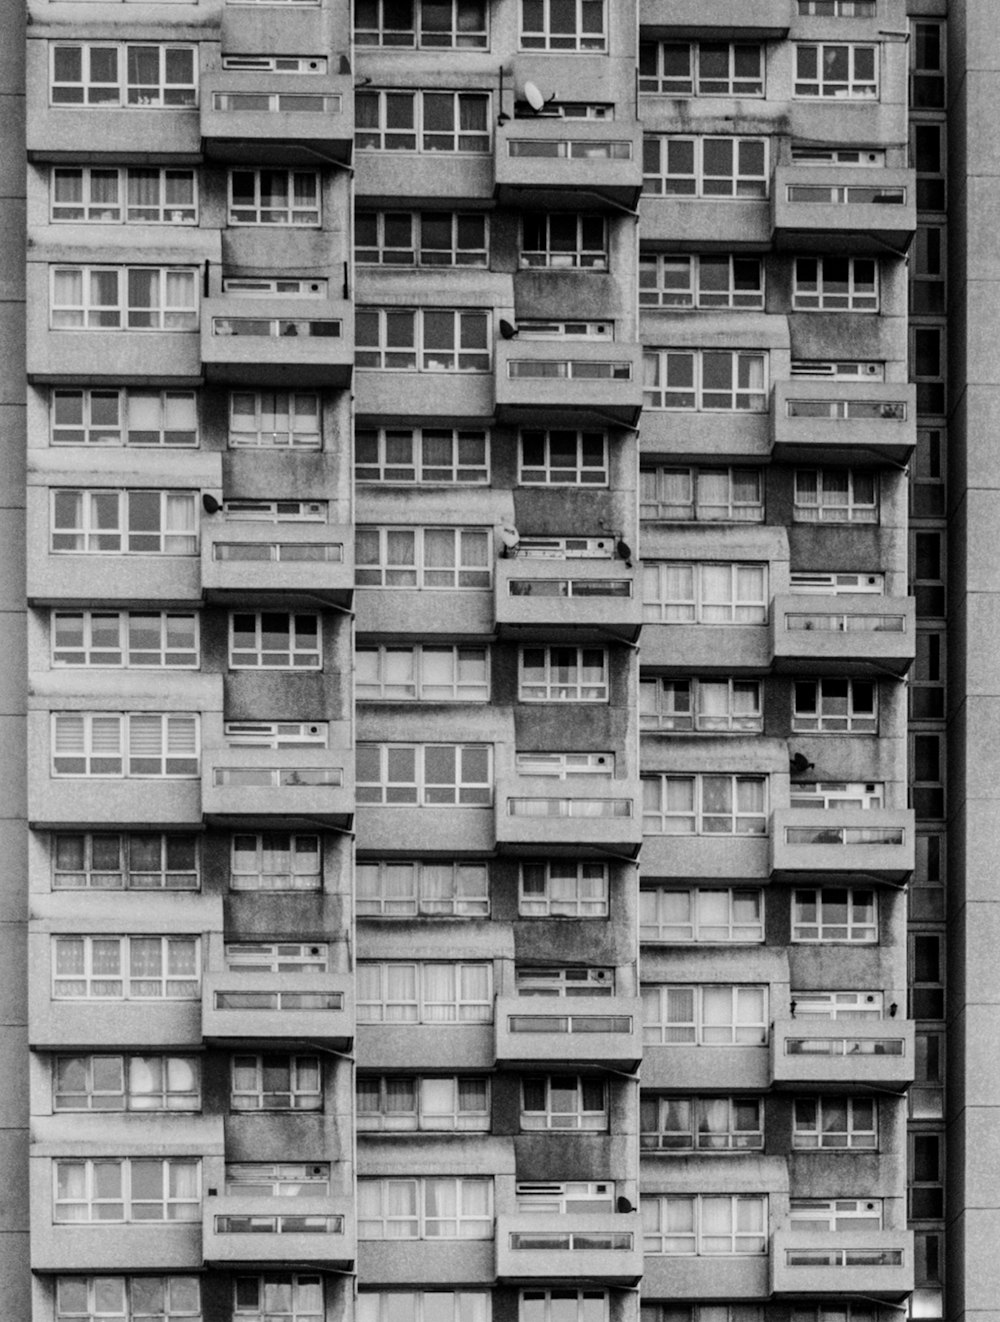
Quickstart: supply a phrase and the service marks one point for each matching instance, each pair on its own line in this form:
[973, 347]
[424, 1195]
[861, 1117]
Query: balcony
[290, 788]
[853, 423]
[555, 163]
[538, 381]
[831, 843]
[846, 635]
[693, 18]
[287, 342]
[565, 600]
[256, 1230]
[276, 119]
[567, 1031]
[538, 813]
[684, 1279]
[266, 564]
[842, 1054]
[245, 1008]
[877, 1264]
[676, 223]
[605, 1247]
[839, 210]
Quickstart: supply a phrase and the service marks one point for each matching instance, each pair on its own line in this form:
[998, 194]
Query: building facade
[478, 487]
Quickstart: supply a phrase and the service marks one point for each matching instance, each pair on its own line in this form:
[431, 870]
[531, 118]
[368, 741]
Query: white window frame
[90, 982]
[674, 166]
[427, 1112]
[175, 417]
[697, 815]
[103, 872]
[562, 242]
[704, 923]
[839, 1005]
[561, 980]
[379, 678]
[402, 334]
[837, 9]
[562, 677]
[855, 85]
[276, 734]
[829, 711]
[120, 91]
[403, 776]
[275, 511]
[699, 81]
[472, 32]
[294, 876]
[109, 745]
[534, 328]
[564, 889]
[298, 211]
[745, 603]
[834, 1215]
[830, 495]
[174, 307]
[277, 1179]
[416, 250]
[580, 1117]
[423, 1221]
[564, 456]
[283, 1291]
[109, 522]
[294, 406]
[100, 1208]
[836, 794]
[414, 568]
[97, 650]
[414, 1003]
[302, 1069]
[664, 705]
[583, 37]
[662, 366]
[666, 289]
[658, 1210]
[420, 888]
[77, 1298]
[278, 956]
[275, 287]
[135, 1070]
[860, 925]
[416, 136]
[564, 1197]
[407, 455]
[564, 765]
[824, 293]
[816, 1126]
[464, 1305]
[294, 656]
[705, 501]
[746, 1026]
[692, 1128]
[107, 205]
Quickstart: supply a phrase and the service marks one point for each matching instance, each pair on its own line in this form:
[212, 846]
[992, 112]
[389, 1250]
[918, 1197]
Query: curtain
[67, 298]
[675, 592]
[474, 993]
[180, 537]
[180, 301]
[440, 993]
[400, 1001]
[677, 1015]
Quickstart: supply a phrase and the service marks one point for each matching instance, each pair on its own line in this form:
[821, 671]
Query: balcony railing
[243, 1229]
[276, 117]
[874, 1264]
[252, 785]
[567, 1246]
[590, 1029]
[545, 161]
[878, 842]
[834, 211]
[861, 423]
[842, 1053]
[852, 634]
[248, 564]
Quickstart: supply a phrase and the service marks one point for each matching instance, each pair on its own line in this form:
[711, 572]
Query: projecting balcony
[277, 119]
[854, 423]
[553, 162]
[269, 564]
[843, 210]
[566, 1248]
[831, 843]
[842, 1054]
[695, 18]
[693, 1279]
[564, 600]
[543, 813]
[567, 1031]
[287, 342]
[244, 1008]
[672, 221]
[876, 1264]
[602, 381]
[271, 788]
[250, 1230]
[846, 635]
[80, 1247]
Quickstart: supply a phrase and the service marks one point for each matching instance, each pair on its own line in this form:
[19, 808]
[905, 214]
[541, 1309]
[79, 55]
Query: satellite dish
[210, 504]
[507, 331]
[533, 97]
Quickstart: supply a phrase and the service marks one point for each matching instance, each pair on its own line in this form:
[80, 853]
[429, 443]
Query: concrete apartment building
[480, 774]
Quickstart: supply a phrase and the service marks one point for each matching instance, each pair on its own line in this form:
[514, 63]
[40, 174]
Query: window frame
[187, 984]
[251, 658]
[652, 483]
[163, 1308]
[256, 438]
[120, 433]
[732, 1137]
[385, 688]
[102, 877]
[416, 791]
[255, 879]
[696, 607]
[820, 294]
[292, 1305]
[421, 1004]
[383, 136]
[422, 255]
[854, 1134]
[424, 899]
[666, 716]
[120, 210]
[658, 928]
[127, 1199]
[697, 83]
[128, 753]
[543, 248]
[423, 1220]
[741, 1032]
[88, 1099]
[127, 92]
[459, 470]
[580, 1118]
[91, 313]
[572, 464]
[542, 903]
[849, 505]
[854, 86]
[855, 928]
[696, 1240]
[542, 37]
[699, 296]
[297, 1065]
[850, 717]
[417, 542]
[293, 213]
[401, 340]
[93, 508]
[692, 395]
[733, 184]
[420, 1119]
[163, 655]
[551, 688]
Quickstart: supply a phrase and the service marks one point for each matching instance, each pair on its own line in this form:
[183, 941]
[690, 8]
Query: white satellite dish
[533, 97]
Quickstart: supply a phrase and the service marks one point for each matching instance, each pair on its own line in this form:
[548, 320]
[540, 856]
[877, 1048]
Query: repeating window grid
[730, 167]
[116, 195]
[133, 522]
[701, 1124]
[133, 860]
[131, 745]
[679, 592]
[275, 640]
[562, 456]
[564, 890]
[117, 73]
[563, 25]
[705, 1015]
[131, 968]
[716, 706]
[126, 1190]
[836, 284]
[425, 775]
[836, 69]
[274, 197]
[391, 889]
[404, 1103]
[276, 1082]
[704, 804]
[150, 298]
[838, 1124]
[276, 861]
[564, 1102]
[423, 672]
[426, 24]
[424, 1305]
[275, 419]
[702, 68]
[425, 1207]
[563, 1306]
[128, 1299]
[835, 495]
[422, 121]
[681, 915]
[281, 1296]
[834, 913]
[564, 242]
[123, 417]
[701, 281]
[422, 339]
[126, 1083]
[702, 495]
[126, 639]
[563, 674]
[421, 238]
[453, 455]
[450, 558]
[705, 1224]
[835, 706]
[424, 992]
[705, 380]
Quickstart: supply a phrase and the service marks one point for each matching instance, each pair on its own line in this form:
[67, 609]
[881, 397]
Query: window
[422, 340]
[835, 1123]
[558, 980]
[422, 672]
[705, 1016]
[827, 794]
[422, 121]
[677, 282]
[563, 674]
[929, 474]
[834, 1214]
[928, 572]
[129, 639]
[278, 1179]
[564, 242]
[675, 916]
[134, 522]
[425, 24]
[704, 167]
[827, 69]
[415, 992]
[276, 861]
[128, 1299]
[563, 25]
[130, 968]
[716, 706]
[563, 765]
[278, 419]
[838, 9]
[703, 68]
[290, 1298]
[564, 1101]
[708, 1313]
[563, 457]
[421, 238]
[422, 889]
[927, 975]
[130, 860]
[117, 73]
[838, 1311]
[124, 298]
[126, 1083]
[926, 1168]
[278, 956]
[136, 744]
[123, 417]
[703, 495]
[674, 592]
[422, 454]
[398, 1103]
[450, 558]
[274, 197]
[835, 284]
[928, 152]
[423, 1305]
[274, 640]
[426, 1207]
[835, 495]
[126, 1189]
[425, 775]
[701, 1124]
[563, 1306]
[563, 890]
[702, 1224]
[547, 1198]
[927, 686]
[835, 706]
[832, 913]
[928, 65]
[705, 380]
[837, 1004]
[276, 1082]
[112, 195]
[704, 804]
